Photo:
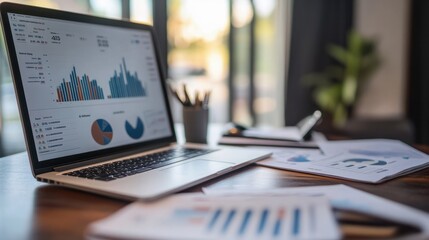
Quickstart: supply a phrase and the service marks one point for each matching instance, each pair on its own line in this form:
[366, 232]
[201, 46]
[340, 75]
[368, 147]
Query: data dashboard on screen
[88, 87]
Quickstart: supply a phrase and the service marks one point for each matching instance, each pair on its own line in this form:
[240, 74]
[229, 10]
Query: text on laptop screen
[88, 87]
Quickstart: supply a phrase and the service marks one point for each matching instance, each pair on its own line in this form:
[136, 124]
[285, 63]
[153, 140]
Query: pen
[201, 98]
[188, 102]
[206, 99]
[174, 92]
[197, 101]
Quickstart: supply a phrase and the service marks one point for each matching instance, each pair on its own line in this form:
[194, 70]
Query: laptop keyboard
[128, 167]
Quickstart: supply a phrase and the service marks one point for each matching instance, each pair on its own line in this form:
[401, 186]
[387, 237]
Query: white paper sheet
[382, 148]
[286, 133]
[190, 216]
[344, 197]
[371, 161]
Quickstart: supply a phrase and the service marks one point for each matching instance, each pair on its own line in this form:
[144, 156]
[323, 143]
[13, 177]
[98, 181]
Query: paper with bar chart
[193, 216]
[341, 197]
[88, 87]
[371, 161]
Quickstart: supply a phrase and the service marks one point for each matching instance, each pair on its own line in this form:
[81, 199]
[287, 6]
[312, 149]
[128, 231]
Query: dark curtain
[160, 25]
[315, 25]
[418, 94]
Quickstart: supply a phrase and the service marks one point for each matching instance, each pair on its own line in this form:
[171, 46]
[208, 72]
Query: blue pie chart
[135, 131]
[299, 158]
[101, 131]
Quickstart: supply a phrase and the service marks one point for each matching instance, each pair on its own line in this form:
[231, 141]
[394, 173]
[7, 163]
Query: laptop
[95, 110]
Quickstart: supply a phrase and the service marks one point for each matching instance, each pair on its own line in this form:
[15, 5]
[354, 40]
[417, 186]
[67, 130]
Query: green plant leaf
[338, 53]
[328, 97]
[337, 88]
[340, 115]
[335, 73]
[316, 79]
[349, 90]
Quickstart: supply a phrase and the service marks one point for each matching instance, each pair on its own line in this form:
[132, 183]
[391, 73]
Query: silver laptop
[94, 107]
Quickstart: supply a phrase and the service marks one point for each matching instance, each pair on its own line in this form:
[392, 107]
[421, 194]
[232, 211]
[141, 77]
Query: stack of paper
[371, 161]
[191, 216]
[345, 198]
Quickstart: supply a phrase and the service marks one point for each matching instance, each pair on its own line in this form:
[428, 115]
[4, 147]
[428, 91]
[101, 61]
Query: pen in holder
[195, 115]
[195, 121]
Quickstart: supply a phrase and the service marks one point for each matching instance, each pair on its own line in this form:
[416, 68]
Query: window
[235, 48]
[271, 51]
[230, 46]
[141, 11]
[198, 50]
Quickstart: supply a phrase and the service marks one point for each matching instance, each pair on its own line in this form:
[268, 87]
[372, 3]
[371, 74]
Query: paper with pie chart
[371, 161]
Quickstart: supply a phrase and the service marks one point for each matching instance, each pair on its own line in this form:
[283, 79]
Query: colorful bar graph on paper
[200, 217]
[79, 89]
[125, 85]
[263, 226]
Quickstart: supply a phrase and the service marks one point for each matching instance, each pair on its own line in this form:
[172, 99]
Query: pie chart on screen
[102, 132]
[135, 131]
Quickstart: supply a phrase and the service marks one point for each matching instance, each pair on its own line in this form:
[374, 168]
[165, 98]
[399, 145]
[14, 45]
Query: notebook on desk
[94, 107]
[300, 136]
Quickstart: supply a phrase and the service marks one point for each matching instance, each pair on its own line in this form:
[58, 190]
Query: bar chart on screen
[125, 84]
[79, 89]
[122, 84]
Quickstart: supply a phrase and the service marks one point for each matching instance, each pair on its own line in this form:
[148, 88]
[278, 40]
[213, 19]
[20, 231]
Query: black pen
[188, 102]
[176, 94]
[197, 101]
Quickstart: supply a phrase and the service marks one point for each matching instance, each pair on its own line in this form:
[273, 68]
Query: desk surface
[29, 209]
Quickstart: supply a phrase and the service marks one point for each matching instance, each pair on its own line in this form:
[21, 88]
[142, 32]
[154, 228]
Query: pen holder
[195, 122]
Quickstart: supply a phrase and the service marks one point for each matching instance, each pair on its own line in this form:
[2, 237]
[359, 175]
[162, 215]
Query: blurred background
[364, 63]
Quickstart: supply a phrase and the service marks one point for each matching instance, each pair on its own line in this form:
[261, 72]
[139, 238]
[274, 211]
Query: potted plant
[337, 88]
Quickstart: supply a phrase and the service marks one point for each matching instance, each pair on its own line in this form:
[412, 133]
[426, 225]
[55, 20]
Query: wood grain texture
[29, 209]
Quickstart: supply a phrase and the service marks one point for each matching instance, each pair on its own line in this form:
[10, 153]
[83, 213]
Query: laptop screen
[88, 87]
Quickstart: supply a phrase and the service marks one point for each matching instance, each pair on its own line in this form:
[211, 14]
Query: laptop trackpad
[195, 169]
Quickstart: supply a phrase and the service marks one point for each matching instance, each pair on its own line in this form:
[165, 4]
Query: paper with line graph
[373, 161]
[193, 216]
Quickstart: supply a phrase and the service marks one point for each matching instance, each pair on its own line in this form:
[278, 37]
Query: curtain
[315, 24]
[418, 90]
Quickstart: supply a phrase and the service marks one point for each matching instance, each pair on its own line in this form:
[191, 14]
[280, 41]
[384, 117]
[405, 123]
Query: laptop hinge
[106, 158]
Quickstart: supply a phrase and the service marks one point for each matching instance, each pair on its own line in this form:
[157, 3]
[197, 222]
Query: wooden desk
[29, 209]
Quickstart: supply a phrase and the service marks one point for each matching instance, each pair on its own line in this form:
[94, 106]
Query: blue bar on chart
[229, 219]
[125, 84]
[79, 89]
[245, 222]
[214, 219]
[296, 221]
[263, 221]
[278, 223]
